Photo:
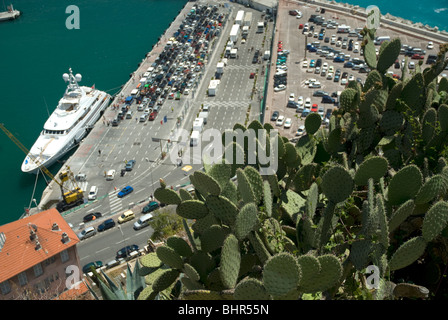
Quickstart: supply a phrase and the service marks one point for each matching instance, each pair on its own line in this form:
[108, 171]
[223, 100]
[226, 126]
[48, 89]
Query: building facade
[38, 257]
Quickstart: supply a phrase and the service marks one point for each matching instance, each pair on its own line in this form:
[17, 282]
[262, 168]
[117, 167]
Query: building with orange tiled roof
[34, 255]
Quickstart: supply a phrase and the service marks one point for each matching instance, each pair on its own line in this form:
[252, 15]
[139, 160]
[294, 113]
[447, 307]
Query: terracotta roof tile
[18, 252]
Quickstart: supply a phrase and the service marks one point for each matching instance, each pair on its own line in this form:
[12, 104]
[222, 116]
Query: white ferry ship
[76, 113]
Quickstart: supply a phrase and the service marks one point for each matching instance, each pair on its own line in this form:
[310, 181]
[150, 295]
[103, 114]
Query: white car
[300, 101]
[321, 112]
[305, 64]
[307, 82]
[308, 103]
[300, 131]
[351, 77]
[280, 87]
[411, 65]
[430, 45]
[280, 120]
[315, 85]
[288, 123]
[338, 43]
[292, 97]
[330, 76]
[344, 81]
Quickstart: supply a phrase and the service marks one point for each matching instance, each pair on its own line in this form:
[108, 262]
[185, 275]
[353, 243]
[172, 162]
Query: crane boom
[71, 196]
[27, 152]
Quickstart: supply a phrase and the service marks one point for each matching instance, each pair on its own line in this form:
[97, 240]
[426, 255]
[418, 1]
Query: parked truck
[239, 17]
[247, 19]
[260, 27]
[213, 87]
[234, 33]
[203, 115]
[220, 67]
[194, 138]
[198, 124]
[233, 53]
[245, 30]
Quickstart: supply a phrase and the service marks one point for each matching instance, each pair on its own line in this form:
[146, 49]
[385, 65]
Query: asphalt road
[133, 140]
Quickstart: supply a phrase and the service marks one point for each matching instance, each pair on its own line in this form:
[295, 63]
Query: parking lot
[315, 58]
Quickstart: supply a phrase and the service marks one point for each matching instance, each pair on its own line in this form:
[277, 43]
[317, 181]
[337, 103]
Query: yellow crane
[71, 197]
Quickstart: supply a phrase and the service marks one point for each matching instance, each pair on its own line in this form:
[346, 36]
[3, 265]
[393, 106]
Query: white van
[93, 193]
[380, 40]
[143, 221]
[110, 175]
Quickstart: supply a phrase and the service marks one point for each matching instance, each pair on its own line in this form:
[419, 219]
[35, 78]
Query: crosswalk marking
[115, 202]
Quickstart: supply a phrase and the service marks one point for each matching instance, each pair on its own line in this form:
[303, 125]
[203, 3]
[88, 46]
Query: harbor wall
[387, 20]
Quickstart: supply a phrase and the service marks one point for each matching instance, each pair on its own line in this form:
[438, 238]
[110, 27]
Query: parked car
[130, 165]
[314, 108]
[280, 120]
[124, 252]
[275, 115]
[125, 191]
[151, 206]
[126, 216]
[95, 264]
[86, 233]
[288, 123]
[280, 87]
[320, 93]
[300, 131]
[327, 99]
[91, 216]
[143, 221]
[108, 224]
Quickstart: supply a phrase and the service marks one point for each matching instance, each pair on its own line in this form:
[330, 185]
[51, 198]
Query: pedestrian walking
[99, 152]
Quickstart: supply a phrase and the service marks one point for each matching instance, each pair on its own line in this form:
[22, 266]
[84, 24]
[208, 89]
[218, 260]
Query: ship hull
[69, 141]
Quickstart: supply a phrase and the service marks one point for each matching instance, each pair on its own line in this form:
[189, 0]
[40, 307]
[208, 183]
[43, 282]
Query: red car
[152, 116]
[301, 26]
[417, 56]
[314, 108]
[252, 75]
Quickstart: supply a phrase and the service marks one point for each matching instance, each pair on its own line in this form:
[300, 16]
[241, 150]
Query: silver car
[86, 233]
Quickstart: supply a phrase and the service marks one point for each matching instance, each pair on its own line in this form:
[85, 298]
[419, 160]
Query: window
[38, 270]
[22, 278]
[50, 260]
[5, 287]
[64, 256]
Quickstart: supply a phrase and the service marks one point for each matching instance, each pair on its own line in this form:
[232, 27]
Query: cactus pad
[312, 123]
[435, 221]
[281, 274]
[255, 181]
[374, 167]
[337, 184]
[230, 262]
[205, 184]
[150, 260]
[165, 279]
[251, 289]
[388, 55]
[191, 272]
[169, 257]
[167, 196]
[245, 188]
[404, 185]
[180, 246]
[222, 208]
[433, 187]
[212, 238]
[407, 253]
[246, 220]
[192, 209]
